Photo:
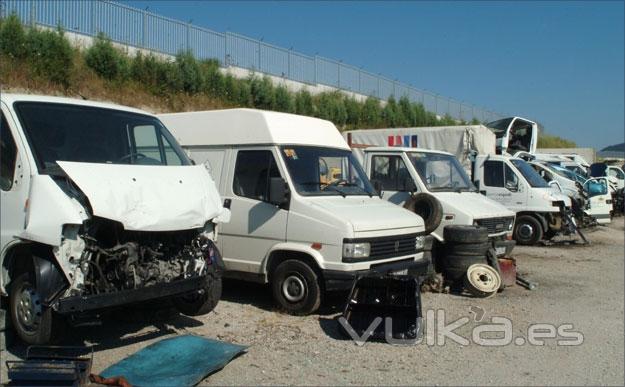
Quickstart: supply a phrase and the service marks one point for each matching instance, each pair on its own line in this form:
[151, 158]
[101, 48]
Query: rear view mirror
[277, 191]
[409, 185]
[555, 184]
[512, 186]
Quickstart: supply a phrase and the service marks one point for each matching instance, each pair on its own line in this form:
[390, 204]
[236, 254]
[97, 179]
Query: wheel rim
[483, 278]
[293, 288]
[28, 309]
[526, 231]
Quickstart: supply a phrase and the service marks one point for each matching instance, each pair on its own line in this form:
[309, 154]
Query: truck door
[255, 224]
[502, 184]
[391, 173]
[13, 187]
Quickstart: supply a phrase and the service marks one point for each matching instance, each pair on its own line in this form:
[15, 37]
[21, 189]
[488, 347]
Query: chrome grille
[496, 225]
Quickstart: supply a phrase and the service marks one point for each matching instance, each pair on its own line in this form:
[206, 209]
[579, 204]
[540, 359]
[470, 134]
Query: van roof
[10, 98]
[251, 127]
[402, 149]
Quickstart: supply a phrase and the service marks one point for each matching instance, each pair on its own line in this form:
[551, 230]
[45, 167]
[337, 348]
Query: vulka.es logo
[494, 333]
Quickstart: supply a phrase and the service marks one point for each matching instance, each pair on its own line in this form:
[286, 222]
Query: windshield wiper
[337, 189]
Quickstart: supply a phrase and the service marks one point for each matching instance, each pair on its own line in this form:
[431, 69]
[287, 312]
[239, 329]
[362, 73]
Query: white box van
[305, 218]
[100, 208]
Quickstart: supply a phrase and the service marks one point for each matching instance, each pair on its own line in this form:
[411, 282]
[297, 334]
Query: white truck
[540, 212]
[100, 208]
[305, 218]
[588, 206]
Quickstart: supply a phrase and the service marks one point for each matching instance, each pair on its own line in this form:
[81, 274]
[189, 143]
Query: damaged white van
[100, 208]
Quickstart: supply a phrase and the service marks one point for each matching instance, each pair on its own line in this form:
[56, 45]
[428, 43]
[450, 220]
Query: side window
[511, 177]
[146, 142]
[252, 172]
[493, 173]
[8, 154]
[390, 171]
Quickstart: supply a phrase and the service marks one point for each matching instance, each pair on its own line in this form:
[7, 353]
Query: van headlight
[419, 242]
[356, 250]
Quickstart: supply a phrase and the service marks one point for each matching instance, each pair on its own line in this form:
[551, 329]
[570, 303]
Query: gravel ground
[579, 285]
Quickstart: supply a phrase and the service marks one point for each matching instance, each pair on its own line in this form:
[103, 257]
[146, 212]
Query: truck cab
[305, 217]
[403, 172]
[541, 212]
[515, 134]
[100, 208]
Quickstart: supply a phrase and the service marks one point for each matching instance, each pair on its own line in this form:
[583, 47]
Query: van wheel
[296, 288]
[32, 321]
[203, 301]
[527, 230]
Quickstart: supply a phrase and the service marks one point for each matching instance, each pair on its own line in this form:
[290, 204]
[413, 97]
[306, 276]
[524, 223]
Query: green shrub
[304, 103]
[330, 107]
[12, 38]
[408, 112]
[548, 141]
[447, 120]
[107, 61]
[370, 114]
[475, 121]
[189, 73]
[50, 55]
[283, 100]
[213, 79]
[353, 110]
[391, 114]
[263, 96]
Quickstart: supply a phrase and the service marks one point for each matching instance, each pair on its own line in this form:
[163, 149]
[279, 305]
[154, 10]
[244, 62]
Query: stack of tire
[465, 255]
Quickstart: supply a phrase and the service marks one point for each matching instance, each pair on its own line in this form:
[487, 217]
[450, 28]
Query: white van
[100, 208]
[305, 218]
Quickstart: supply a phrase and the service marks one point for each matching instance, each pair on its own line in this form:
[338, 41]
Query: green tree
[107, 61]
[263, 96]
[190, 73]
[284, 101]
[12, 38]
[353, 110]
[304, 103]
[408, 112]
[50, 55]
[370, 114]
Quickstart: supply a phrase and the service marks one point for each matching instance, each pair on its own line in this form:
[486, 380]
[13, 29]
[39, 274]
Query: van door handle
[227, 203]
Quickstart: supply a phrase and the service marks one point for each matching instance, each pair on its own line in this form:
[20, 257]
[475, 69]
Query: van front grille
[496, 225]
[386, 247]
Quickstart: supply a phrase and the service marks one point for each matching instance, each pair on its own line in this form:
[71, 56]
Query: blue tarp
[178, 361]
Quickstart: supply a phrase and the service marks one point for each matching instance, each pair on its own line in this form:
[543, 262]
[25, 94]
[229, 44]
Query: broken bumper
[77, 304]
[343, 280]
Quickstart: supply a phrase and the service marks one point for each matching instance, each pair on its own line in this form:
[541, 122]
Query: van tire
[427, 207]
[296, 287]
[44, 326]
[527, 230]
[467, 248]
[465, 234]
[201, 304]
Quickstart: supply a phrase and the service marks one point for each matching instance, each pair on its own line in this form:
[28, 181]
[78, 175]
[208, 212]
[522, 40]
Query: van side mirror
[409, 185]
[512, 187]
[277, 191]
[377, 185]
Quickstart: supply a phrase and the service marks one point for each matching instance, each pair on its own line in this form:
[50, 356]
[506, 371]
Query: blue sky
[561, 63]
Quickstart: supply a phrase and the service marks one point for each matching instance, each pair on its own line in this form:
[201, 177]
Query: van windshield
[317, 171]
[530, 174]
[65, 132]
[499, 127]
[441, 172]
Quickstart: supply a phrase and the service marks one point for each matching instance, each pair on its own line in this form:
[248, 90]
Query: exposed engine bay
[104, 258]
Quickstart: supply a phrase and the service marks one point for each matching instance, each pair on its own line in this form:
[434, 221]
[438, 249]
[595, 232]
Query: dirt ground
[578, 285]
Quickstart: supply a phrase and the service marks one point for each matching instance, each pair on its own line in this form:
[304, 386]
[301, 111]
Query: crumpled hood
[147, 197]
[369, 214]
[472, 203]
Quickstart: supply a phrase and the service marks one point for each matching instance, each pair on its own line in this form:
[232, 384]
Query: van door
[391, 173]
[13, 186]
[255, 224]
[502, 184]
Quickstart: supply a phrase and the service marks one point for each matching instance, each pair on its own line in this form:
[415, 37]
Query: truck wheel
[527, 230]
[33, 322]
[465, 234]
[427, 207]
[203, 302]
[296, 288]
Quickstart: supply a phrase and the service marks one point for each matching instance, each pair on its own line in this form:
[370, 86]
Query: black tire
[451, 276]
[527, 230]
[296, 287]
[461, 262]
[198, 304]
[465, 234]
[467, 248]
[33, 322]
[427, 207]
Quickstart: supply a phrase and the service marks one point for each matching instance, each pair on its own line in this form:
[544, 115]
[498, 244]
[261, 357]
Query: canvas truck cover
[458, 140]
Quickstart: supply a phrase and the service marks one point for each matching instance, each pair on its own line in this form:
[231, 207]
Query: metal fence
[142, 29]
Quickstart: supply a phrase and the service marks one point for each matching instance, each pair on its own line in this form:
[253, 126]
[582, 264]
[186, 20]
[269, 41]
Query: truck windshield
[499, 127]
[530, 174]
[317, 171]
[441, 172]
[65, 132]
